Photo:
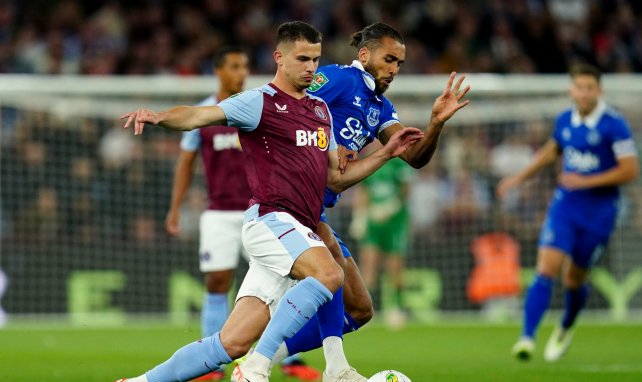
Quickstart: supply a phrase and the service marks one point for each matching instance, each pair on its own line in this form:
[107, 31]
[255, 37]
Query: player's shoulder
[612, 115]
[332, 77]
[564, 117]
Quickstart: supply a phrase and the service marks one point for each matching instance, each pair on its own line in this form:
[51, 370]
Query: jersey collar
[592, 119]
[367, 77]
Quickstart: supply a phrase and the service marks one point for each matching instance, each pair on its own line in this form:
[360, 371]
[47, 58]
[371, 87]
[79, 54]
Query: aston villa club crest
[320, 113]
[373, 116]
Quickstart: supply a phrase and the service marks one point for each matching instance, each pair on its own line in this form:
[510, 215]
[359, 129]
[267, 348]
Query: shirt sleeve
[557, 131]
[389, 116]
[191, 140]
[623, 144]
[243, 111]
[330, 82]
[333, 142]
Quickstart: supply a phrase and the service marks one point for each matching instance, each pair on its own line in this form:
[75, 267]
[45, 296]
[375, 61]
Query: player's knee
[362, 313]
[331, 277]
[237, 349]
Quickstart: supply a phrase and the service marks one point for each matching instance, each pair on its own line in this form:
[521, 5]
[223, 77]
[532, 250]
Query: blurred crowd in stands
[179, 37]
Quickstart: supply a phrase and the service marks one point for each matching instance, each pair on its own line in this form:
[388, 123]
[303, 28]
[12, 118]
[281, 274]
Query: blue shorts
[344, 248]
[584, 246]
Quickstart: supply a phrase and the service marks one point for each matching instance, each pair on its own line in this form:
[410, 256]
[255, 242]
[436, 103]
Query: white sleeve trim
[624, 148]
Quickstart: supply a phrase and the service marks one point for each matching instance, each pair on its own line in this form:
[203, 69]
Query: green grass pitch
[426, 353]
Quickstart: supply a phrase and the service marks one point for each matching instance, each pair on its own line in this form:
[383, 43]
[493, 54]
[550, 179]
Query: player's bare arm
[182, 180]
[445, 106]
[545, 156]
[358, 170]
[181, 118]
[627, 170]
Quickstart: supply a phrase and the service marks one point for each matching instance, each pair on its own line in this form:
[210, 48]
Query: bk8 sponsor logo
[312, 138]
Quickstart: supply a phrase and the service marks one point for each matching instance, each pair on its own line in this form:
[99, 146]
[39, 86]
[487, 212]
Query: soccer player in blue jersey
[598, 155]
[290, 156]
[361, 113]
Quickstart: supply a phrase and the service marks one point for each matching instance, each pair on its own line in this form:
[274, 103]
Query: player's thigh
[317, 262]
[264, 285]
[589, 248]
[276, 240]
[331, 241]
[395, 237]
[550, 261]
[220, 240]
[556, 240]
[369, 257]
[244, 326]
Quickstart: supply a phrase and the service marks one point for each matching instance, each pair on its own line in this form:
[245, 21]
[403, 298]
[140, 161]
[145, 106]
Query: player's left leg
[587, 252]
[219, 252]
[395, 246]
[396, 316]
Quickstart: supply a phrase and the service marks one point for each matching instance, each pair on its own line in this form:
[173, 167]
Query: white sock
[280, 355]
[257, 361]
[335, 359]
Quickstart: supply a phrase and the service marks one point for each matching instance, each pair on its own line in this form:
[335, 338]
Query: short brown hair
[583, 69]
[296, 31]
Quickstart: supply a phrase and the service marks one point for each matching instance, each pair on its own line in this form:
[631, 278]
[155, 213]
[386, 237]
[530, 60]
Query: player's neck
[288, 88]
[223, 94]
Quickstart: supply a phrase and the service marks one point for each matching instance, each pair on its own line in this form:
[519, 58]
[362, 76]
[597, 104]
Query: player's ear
[364, 55]
[277, 56]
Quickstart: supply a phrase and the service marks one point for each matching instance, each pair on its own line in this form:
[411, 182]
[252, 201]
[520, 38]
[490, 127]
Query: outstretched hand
[402, 139]
[449, 102]
[140, 117]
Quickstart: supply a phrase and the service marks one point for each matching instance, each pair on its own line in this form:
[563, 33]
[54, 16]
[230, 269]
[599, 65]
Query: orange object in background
[496, 272]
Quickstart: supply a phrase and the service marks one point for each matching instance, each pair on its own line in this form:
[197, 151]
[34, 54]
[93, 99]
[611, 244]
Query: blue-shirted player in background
[598, 155]
[361, 113]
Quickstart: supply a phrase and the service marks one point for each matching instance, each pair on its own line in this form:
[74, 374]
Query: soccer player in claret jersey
[361, 113]
[290, 156]
[228, 194]
[598, 155]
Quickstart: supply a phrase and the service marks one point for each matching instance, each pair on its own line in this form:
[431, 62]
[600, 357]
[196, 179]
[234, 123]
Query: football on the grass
[389, 376]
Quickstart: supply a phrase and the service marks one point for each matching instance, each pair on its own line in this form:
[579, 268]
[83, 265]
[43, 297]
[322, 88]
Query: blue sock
[296, 308]
[574, 302]
[191, 361]
[537, 301]
[214, 314]
[309, 337]
[330, 316]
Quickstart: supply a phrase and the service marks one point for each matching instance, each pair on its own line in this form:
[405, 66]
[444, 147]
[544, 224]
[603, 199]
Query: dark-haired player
[361, 113]
[290, 157]
[228, 191]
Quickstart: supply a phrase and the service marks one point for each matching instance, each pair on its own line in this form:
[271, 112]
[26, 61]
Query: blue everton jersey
[592, 145]
[359, 114]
